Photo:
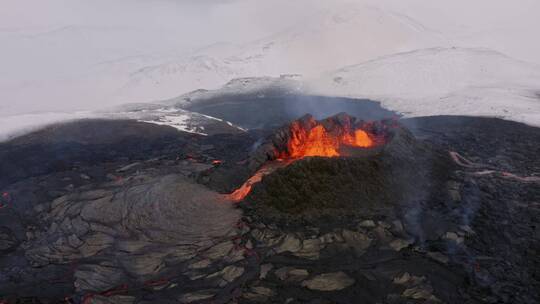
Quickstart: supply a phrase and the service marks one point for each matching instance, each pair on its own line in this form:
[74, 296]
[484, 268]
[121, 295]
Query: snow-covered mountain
[418, 57]
[344, 34]
[439, 81]
[336, 37]
[259, 86]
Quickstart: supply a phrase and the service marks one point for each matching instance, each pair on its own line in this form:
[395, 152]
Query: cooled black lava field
[128, 212]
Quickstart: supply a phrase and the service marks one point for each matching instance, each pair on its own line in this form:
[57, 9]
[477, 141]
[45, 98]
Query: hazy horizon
[71, 55]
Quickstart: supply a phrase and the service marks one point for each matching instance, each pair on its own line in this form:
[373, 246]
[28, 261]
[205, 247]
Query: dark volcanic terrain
[130, 212]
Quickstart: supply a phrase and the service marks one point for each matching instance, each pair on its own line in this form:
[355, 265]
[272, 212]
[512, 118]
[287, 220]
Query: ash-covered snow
[179, 119]
[285, 84]
[182, 120]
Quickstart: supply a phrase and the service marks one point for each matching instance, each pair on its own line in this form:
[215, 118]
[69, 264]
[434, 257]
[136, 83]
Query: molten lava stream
[240, 193]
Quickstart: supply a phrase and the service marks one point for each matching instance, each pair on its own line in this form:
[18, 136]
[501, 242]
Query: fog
[53, 50]
[72, 55]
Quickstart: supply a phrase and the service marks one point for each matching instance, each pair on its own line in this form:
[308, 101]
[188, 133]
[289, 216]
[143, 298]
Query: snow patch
[182, 120]
[179, 121]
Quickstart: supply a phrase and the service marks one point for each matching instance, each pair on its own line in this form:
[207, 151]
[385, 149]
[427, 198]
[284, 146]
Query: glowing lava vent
[339, 135]
[325, 139]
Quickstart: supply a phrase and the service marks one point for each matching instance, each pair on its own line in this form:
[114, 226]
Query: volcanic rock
[454, 237]
[291, 274]
[200, 264]
[310, 249]
[259, 294]
[356, 240]
[74, 241]
[7, 239]
[399, 244]
[97, 278]
[409, 280]
[420, 293]
[197, 296]
[329, 281]
[219, 251]
[128, 167]
[265, 269]
[118, 299]
[100, 230]
[270, 238]
[331, 237]
[367, 224]
[145, 265]
[290, 243]
[439, 257]
[227, 275]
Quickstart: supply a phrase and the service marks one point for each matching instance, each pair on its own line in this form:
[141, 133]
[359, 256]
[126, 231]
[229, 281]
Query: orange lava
[314, 140]
[319, 142]
[361, 139]
[240, 193]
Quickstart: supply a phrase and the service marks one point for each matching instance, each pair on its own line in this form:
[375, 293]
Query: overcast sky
[56, 54]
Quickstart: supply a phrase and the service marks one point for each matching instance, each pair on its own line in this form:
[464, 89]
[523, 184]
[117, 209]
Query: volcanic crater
[340, 165]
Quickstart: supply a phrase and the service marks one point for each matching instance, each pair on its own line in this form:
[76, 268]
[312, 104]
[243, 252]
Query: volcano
[340, 135]
[328, 138]
[340, 163]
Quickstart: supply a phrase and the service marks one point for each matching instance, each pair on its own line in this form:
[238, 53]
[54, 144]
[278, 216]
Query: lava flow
[307, 137]
[240, 193]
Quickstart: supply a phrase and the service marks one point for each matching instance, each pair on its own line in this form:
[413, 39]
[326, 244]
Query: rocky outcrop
[178, 220]
[329, 281]
[356, 240]
[289, 244]
[291, 274]
[259, 294]
[7, 240]
[191, 297]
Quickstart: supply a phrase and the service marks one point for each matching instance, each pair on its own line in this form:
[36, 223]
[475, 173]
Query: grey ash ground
[128, 212]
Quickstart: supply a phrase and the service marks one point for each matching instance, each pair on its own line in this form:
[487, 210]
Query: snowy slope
[334, 37]
[399, 52]
[453, 81]
[182, 120]
[285, 84]
[346, 33]
[179, 119]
